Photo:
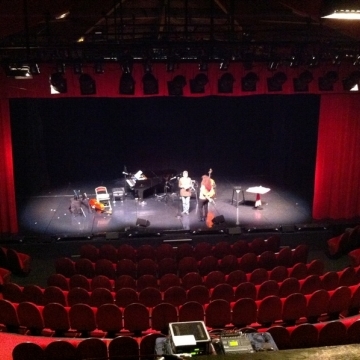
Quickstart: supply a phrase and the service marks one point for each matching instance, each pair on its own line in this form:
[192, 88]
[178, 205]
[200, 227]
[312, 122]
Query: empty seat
[244, 312]
[248, 262]
[126, 296]
[332, 333]
[289, 286]
[126, 251]
[28, 351]
[30, 317]
[267, 260]
[82, 319]
[268, 287]
[316, 267]
[310, 284]
[56, 318]
[353, 332]
[109, 252]
[125, 281]
[89, 251]
[279, 273]
[18, 263]
[53, 294]
[269, 310]
[85, 267]
[300, 254]
[175, 295]
[298, 271]
[187, 264]
[145, 281]
[258, 276]
[284, 257]
[217, 314]
[221, 249]
[58, 280]
[202, 250]
[100, 296]
[199, 293]
[214, 278]
[150, 297]
[92, 348]
[257, 246]
[235, 278]
[339, 301]
[61, 349]
[161, 315]
[164, 251]
[145, 251]
[240, 248]
[303, 336]
[147, 345]
[168, 280]
[280, 335]
[207, 264]
[136, 318]
[167, 266]
[228, 264]
[8, 316]
[12, 292]
[222, 291]
[191, 279]
[317, 305]
[101, 281]
[123, 347]
[191, 311]
[79, 280]
[330, 280]
[294, 308]
[105, 267]
[33, 293]
[65, 266]
[348, 277]
[78, 296]
[147, 267]
[184, 250]
[273, 243]
[109, 319]
[245, 290]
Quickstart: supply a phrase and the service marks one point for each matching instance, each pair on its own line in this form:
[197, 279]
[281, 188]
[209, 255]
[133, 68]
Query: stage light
[197, 85]
[127, 84]
[276, 82]
[326, 82]
[150, 84]
[351, 83]
[58, 84]
[87, 85]
[248, 82]
[18, 71]
[175, 86]
[225, 83]
[302, 82]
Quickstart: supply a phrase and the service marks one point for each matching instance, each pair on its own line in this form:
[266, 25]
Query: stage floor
[48, 213]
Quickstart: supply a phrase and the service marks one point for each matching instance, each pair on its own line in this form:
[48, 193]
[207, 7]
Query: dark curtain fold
[337, 175]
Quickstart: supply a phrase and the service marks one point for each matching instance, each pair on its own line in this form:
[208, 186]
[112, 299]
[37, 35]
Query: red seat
[126, 251]
[146, 280]
[30, 317]
[56, 318]
[19, 263]
[175, 295]
[100, 296]
[33, 293]
[199, 293]
[136, 319]
[300, 254]
[78, 296]
[202, 250]
[8, 316]
[281, 336]
[58, 280]
[339, 301]
[244, 312]
[248, 262]
[298, 271]
[168, 280]
[279, 273]
[284, 257]
[61, 349]
[164, 251]
[207, 264]
[191, 311]
[12, 292]
[92, 348]
[147, 345]
[354, 305]
[316, 267]
[353, 332]
[348, 277]
[108, 252]
[214, 278]
[82, 319]
[167, 266]
[221, 249]
[79, 280]
[258, 276]
[354, 257]
[150, 297]
[240, 248]
[222, 291]
[268, 287]
[65, 266]
[147, 267]
[245, 290]
[269, 310]
[145, 251]
[330, 280]
[235, 278]
[123, 347]
[184, 250]
[303, 336]
[126, 296]
[28, 350]
[294, 308]
[228, 264]
[162, 315]
[105, 267]
[339, 245]
[257, 246]
[267, 260]
[126, 267]
[187, 264]
[273, 243]
[191, 279]
[53, 294]
[289, 286]
[317, 305]
[125, 281]
[310, 284]
[101, 281]
[5, 276]
[89, 251]
[217, 314]
[332, 333]
[109, 319]
[85, 267]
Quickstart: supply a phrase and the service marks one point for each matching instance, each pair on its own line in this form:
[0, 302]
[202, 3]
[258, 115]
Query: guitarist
[206, 195]
[185, 185]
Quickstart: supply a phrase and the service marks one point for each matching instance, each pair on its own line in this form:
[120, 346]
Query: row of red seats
[136, 318]
[234, 278]
[165, 250]
[248, 262]
[150, 296]
[91, 348]
[15, 261]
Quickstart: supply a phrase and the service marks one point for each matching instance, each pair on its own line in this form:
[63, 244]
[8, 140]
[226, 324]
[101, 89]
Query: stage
[48, 214]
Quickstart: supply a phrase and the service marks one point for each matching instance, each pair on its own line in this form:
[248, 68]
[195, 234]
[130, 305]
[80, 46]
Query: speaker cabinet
[218, 219]
[142, 222]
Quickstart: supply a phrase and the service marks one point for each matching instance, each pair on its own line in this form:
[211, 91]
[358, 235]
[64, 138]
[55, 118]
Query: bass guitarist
[206, 195]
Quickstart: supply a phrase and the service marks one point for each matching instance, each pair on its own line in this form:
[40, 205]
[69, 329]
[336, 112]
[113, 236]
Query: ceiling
[244, 30]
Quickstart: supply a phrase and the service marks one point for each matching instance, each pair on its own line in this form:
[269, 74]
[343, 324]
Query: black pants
[204, 205]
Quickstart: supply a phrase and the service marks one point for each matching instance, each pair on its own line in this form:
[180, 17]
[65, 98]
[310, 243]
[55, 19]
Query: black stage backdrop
[269, 137]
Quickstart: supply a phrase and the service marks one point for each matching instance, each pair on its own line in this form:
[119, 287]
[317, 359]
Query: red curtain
[337, 168]
[337, 173]
[8, 219]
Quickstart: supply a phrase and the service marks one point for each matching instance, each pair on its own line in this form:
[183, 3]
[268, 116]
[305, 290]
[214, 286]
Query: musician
[185, 185]
[206, 195]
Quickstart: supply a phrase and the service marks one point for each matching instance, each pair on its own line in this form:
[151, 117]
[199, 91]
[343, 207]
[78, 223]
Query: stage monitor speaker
[218, 219]
[142, 222]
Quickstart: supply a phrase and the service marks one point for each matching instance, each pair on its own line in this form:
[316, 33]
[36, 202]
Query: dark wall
[67, 140]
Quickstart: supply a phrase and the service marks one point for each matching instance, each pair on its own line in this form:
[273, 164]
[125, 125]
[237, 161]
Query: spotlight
[58, 83]
[87, 85]
[127, 84]
[175, 86]
[248, 82]
[276, 82]
[197, 85]
[302, 82]
[150, 84]
[225, 83]
[326, 82]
